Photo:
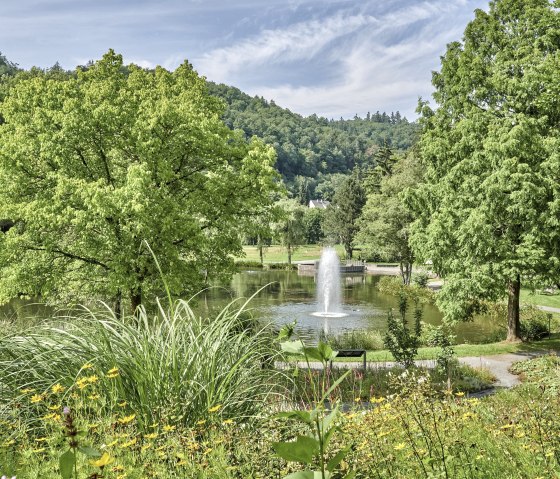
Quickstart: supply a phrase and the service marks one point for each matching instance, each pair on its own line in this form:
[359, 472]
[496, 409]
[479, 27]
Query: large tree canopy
[384, 224]
[490, 207]
[96, 165]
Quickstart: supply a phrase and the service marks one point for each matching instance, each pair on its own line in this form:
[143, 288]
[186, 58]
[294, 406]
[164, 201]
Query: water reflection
[290, 296]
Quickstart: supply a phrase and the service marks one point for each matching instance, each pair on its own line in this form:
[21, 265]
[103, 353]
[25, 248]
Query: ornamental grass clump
[171, 364]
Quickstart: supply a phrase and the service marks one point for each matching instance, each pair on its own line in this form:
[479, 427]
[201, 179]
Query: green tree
[341, 217]
[384, 225]
[289, 230]
[489, 212]
[98, 164]
[313, 219]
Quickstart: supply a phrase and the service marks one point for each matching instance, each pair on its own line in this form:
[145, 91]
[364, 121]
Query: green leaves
[303, 449]
[66, 464]
[96, 164]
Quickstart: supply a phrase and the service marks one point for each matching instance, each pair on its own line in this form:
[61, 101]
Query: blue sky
[333, 58]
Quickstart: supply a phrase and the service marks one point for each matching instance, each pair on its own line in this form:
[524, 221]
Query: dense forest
[311, 146]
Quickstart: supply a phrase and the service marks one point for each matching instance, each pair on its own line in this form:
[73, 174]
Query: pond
[291, 296]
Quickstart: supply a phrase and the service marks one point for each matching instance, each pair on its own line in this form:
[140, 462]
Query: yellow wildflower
[215, 408]
[93, 426]
[460, 394]
[58, 388]
[40, 449]
[94, 397]
[208, 451]
[160, 448]
[36, 398]
[82, 383]
[168, 428]
[41, 439]
[227, 421]
[87, 366]
[201, 422]
[122, 404]
[147, 446]
[54, 407]
[92, 379]
[400, 446]
[104, 460]
[129, 443]
[118, 468]
[114, 443]
[153, 435]
[127, 419]
[112, 373]
[121, 476]
[8, 443]
[27, 390]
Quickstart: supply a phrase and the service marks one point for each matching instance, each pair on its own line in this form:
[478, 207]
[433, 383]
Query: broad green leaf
[326, 351]
[304, 416]
[337, 458]
[303, 449]
[350, 475]
[292, 347]
[301, 475]
[66, 464]
[313, 353]
[89, 451]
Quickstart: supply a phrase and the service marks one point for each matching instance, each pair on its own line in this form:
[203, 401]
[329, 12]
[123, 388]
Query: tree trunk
[290, 255]
[514, 326]
[349, 251]
[260, 247]
[135, 299]
[117, 308]
[406, 272]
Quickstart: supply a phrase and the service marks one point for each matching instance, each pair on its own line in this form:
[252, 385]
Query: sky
[334, 58]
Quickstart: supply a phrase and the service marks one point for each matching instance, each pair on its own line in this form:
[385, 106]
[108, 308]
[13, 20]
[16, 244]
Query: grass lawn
[278, 254]
[528, 297]
[463, 350]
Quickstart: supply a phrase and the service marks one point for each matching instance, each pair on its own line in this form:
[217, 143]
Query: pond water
[291, 296]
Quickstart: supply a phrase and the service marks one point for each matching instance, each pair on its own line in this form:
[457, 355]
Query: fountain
[328, 286]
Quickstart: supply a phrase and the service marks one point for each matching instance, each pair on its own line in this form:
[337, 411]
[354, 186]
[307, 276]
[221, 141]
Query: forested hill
[308, 146]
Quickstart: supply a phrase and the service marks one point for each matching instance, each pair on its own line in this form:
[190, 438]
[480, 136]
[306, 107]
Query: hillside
[311, 146]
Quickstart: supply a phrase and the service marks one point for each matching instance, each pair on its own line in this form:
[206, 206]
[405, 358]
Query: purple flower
[65, 411]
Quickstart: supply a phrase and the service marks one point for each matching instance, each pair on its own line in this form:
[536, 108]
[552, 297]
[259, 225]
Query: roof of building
[319, 204]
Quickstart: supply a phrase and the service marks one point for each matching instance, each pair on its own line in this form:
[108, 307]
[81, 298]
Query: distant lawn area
[528, 297]
[278, 254]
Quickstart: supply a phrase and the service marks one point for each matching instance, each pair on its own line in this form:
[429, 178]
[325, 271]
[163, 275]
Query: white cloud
[377, 62]
[301, 41]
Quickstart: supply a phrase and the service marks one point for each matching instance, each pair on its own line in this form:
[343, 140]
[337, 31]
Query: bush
[421, 280]
[248, 264]
[356, 339]
[534, 322]
[402, 342]
[394, 286]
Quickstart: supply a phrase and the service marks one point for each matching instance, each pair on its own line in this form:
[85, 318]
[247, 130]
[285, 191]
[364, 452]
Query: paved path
[498, 365]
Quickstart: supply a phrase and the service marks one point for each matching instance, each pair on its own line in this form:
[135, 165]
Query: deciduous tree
[96, 165]
[490, 209]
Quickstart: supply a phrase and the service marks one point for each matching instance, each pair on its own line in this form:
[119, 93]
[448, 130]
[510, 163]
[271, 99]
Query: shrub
[421, 280]
[403, 343]
[356, 339]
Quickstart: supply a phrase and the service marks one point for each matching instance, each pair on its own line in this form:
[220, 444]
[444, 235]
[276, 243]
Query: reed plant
[170, 364]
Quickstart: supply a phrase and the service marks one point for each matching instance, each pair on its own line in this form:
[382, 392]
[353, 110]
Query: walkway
[498, 365]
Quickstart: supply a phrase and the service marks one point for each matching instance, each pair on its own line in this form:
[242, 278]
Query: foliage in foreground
[173, 365]
[412, 432]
